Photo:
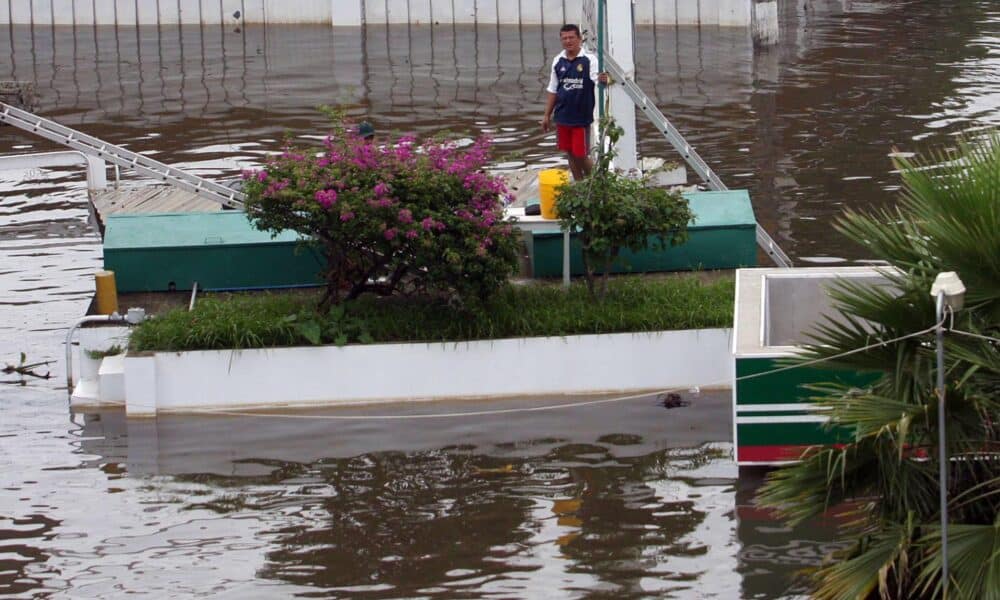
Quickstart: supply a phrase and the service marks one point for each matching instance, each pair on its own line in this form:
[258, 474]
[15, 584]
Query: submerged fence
[737, 13]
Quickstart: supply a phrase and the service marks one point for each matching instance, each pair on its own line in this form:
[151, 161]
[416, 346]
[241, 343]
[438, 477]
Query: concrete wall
[736, 13]
[327, 375]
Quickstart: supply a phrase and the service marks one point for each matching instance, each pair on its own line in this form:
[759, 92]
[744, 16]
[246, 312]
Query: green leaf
[311, 331]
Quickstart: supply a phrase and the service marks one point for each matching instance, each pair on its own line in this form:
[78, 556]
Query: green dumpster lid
[224, 228]
[731, 208]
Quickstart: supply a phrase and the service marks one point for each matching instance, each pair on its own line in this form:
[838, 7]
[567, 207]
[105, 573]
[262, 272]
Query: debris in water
[671, 400]
[24, 368]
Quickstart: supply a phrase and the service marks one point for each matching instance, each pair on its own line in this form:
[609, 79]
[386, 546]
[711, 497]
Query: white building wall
[355, 12]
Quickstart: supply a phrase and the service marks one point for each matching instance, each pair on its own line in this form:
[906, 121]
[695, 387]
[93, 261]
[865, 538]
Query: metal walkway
[119, 156]
[675, 138]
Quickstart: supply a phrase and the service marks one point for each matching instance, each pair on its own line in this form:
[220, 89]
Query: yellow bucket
[107, 293]
[548, 181]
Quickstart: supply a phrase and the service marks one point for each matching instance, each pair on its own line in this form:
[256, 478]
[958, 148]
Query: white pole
[620, 44]
[942, 452]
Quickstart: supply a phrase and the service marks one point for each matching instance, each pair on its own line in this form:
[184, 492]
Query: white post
[619, 44]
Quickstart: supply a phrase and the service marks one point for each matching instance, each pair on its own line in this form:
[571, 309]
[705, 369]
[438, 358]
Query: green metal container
[723, 236]
[776, 417]
[219, 250]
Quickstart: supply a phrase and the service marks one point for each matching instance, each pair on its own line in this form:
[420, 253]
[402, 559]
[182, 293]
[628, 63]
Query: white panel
[735, 13]
[84, 13]
[42, 11]
[666, 11]
[420, 12]
[20, 11]
[486, 11]
[375, 12]
[5, 11]
[468, 12]
[574, 11]
[552, 12]
[709, 11]
[531, 12]
[509, 12]
[254, 11]
[104, 12]
[147, 13]
[190, 11]
[398, 11]
[126, 12]
[347, 13]
[644, 12]
[687, 12]
[60, 12]
[300, 11]
[443, 11]
[169, 14]
[229, 8]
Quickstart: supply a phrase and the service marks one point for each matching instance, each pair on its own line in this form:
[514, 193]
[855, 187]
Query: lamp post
[948, 292]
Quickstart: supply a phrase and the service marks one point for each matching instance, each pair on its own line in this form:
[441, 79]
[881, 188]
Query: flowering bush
[391, 218]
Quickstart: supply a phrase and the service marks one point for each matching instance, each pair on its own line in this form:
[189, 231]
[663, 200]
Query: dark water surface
[622, 500]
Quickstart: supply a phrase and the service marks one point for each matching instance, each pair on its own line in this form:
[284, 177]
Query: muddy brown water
[620, 500]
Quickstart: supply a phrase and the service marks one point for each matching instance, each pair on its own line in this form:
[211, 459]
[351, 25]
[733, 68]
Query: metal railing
[119, 156]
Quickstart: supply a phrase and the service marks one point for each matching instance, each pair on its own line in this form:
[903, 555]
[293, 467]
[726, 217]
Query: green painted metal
[787, 434]
[722, 237]
[220, 250]
[786, 387]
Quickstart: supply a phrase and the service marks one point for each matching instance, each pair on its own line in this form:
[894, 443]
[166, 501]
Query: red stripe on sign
[769, 453]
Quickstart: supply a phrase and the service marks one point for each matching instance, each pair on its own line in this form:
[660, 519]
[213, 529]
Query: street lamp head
[951, 287]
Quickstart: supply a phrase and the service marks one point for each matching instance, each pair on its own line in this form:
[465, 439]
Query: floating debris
[671, 400]
[25, 369]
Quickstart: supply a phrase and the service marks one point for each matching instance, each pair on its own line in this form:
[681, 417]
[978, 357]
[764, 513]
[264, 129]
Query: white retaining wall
[357, 12]
[328, 375]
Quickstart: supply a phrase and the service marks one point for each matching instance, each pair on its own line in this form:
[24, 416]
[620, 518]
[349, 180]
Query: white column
[347, 13]
[620, 33]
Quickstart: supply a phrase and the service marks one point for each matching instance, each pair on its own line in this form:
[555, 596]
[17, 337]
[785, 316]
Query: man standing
[570, 102]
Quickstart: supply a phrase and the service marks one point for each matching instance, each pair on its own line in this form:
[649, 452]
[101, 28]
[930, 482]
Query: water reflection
[805, 125]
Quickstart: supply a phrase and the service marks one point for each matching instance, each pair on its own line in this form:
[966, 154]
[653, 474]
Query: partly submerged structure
[774, 418]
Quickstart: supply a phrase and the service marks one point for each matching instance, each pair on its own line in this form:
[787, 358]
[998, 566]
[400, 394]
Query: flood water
[617, 500]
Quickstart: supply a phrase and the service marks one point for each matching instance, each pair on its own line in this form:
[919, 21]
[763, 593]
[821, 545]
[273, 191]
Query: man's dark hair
[570, 27]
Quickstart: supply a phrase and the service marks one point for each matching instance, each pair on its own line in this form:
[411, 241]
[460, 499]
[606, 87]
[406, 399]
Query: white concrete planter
[328, 375]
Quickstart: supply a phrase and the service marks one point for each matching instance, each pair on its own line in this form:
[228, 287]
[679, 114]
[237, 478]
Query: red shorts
[574, 140]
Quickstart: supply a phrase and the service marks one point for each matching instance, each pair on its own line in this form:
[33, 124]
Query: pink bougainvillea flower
[390, 233]
[412, 234]
[405, 216]
[346, 216]
[262, 176]
[326, 198]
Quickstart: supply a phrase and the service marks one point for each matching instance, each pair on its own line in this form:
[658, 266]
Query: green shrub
[290, 319]
[613, 211]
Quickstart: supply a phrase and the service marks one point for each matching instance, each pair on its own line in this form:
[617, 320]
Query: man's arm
[550, 104]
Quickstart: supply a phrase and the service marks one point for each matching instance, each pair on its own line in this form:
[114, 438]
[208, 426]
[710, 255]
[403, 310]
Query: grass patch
[274, 319]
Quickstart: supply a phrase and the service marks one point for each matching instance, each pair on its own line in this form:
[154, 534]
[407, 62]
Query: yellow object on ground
[107, 292]
[504, 470]
[548, 181]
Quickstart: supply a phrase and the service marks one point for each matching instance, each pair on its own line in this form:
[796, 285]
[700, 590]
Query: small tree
[391, 218]
[613, 211]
